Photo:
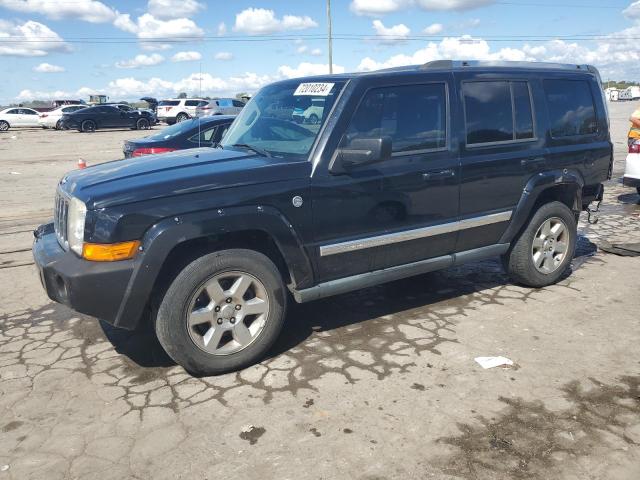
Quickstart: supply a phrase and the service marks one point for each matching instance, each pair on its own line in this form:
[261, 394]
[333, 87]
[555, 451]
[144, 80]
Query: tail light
[139, 152]
[634, 147]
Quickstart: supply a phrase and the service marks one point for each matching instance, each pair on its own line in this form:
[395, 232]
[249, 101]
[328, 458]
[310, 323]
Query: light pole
[330, 40]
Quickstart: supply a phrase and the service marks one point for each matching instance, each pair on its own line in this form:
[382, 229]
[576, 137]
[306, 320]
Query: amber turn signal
[109, 252]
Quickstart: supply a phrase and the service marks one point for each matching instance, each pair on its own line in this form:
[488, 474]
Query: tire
[521, 259]
[4, 126]
[638, 190]
[58, 125]
[313, 119]
[88, 126]
[185, 343]
[182, 117]
[142, 124]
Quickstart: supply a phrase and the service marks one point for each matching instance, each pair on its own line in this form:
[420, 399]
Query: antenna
[329, 37]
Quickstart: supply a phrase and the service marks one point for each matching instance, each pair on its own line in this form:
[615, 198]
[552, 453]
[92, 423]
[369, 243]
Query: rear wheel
[313, 119]
[142, 124]
[542, 253]
[88, 126]
[181, 117]
[4, 126]
[222, 312]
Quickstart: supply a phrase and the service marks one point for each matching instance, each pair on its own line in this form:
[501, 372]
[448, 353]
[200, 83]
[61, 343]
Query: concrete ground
[376, 384]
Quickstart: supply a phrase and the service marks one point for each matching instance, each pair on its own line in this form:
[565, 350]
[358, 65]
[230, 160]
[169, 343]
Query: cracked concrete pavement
[376, 384]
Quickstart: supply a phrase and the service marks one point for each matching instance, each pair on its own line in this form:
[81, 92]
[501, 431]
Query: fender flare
[532, 191]
[164, 236]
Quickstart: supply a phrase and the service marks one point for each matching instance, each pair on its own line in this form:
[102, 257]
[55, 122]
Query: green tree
[182, 95]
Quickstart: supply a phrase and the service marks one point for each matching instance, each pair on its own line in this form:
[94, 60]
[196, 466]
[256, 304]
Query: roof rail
[459, 64]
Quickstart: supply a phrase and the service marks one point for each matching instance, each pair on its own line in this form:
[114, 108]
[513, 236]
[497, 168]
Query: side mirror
[361, 151]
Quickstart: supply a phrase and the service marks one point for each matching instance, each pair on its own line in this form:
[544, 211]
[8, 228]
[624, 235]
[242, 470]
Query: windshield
[176, 129]
[272, 122]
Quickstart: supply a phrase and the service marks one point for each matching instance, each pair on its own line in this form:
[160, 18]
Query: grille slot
[61, 210]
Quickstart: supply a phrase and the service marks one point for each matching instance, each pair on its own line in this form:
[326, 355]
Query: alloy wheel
[550, 245]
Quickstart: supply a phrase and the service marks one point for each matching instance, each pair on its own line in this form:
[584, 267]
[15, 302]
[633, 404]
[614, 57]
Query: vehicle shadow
[416, 294]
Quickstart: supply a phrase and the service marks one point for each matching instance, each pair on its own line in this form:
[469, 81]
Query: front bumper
[93, 288]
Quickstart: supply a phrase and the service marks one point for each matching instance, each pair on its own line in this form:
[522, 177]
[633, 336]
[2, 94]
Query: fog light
[109, 252]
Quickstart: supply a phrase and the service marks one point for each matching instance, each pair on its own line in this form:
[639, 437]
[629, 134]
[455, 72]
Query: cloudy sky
[129, 49]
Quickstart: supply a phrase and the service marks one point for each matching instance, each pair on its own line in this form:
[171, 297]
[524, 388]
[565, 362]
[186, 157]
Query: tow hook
[593, 211]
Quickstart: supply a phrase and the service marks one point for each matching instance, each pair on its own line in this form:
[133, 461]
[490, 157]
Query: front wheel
[88, 126]
[4, 126]
[543, 252]
[222, 312]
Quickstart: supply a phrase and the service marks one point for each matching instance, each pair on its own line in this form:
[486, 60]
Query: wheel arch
[564, 186]
[173, 243]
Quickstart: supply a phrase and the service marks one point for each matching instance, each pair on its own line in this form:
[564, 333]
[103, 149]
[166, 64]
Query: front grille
[60, 213]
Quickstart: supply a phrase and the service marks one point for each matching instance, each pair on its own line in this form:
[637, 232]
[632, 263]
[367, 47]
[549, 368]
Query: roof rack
[460, 64]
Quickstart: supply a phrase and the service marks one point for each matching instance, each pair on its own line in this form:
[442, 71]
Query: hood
[176, 173]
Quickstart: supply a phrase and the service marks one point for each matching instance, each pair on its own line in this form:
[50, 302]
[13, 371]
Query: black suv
[407, 171]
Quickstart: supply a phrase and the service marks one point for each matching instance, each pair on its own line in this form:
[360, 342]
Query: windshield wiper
[258, 150]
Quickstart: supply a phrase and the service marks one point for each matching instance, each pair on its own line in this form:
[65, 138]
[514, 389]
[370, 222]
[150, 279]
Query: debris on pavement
[490, 362]
[622, 249]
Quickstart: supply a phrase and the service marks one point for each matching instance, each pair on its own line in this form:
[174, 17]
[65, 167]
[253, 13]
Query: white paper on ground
[490, 362]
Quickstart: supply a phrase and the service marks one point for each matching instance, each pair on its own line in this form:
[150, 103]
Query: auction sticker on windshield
[320, 89]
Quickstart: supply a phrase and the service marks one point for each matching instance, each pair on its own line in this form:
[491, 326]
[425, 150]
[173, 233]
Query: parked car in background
[312, 114]
[220, 106]
[193, 133]
[178, 109]
[15, 117]
[631, 176]
[53, 118]
[107, 116]
[128, 108]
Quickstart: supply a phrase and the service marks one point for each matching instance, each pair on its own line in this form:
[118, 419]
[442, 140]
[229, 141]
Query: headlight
[75, 225]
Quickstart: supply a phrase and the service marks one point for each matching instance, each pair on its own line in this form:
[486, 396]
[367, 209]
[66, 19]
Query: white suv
[632, 167]
[175, 110]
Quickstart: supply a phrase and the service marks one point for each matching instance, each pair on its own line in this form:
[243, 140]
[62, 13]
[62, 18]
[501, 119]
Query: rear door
[501, 149]
[397, 211]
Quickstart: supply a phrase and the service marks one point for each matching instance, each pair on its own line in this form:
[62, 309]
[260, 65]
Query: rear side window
[497, 111]
[414, 116]
[192, 103]
[169, 103]
[571, 108]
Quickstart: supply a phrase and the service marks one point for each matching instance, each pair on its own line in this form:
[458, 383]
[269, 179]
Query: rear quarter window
[571, 108]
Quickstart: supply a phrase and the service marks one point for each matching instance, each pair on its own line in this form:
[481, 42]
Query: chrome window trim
[407, 235]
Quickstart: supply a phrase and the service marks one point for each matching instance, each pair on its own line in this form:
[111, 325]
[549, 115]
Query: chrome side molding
[391, 238]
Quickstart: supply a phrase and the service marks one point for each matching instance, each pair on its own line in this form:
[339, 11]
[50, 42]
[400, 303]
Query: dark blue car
[194, 133]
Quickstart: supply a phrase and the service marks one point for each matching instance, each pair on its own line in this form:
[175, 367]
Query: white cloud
[224, 56]
[316, 52]
[302, 49]
[471, 23]
[190, 56]
[632, 11]
[30, 39]
[305, 69]
[87, 10]
[141, 60]
[459, 5]
[174, 8]
[222, 29]
[381, 7]
[255, 21]
[395, 34]
[48, 68]
[378, 7]
[148, 27]
[434, 29]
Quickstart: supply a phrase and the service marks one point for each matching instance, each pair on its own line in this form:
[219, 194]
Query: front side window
[271, 122]
[571, 108]
[192, 103]
[15, 111]
[497, 111]
[413, 116]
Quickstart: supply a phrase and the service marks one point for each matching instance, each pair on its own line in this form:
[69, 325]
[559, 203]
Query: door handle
[448, 173]
[533, 163]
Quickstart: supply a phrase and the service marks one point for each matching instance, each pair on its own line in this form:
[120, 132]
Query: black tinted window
[192, 103]
[413, 116]
[237, 103]
[571, 109]
[488, 112]
[169, 103]
[522, 110]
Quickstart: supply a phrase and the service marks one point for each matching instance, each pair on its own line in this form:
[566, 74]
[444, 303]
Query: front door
[394, 212]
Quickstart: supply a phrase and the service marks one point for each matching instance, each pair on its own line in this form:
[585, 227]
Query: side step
[377, 277]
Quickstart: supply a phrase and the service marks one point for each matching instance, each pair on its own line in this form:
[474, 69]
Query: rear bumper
[631, 182]
[93, 288]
